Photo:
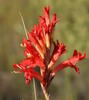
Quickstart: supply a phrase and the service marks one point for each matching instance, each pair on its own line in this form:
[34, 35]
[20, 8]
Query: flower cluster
[38, 52]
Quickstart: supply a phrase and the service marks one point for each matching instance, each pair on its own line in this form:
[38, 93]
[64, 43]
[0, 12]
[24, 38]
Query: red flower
[29, 73]
[71, 62]
[38, 52]
[46, 15]
[59, 49]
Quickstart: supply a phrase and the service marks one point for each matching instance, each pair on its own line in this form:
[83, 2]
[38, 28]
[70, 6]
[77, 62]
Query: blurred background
[73, 30]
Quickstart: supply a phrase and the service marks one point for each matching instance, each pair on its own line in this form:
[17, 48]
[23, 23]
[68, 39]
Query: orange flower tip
[23, 45]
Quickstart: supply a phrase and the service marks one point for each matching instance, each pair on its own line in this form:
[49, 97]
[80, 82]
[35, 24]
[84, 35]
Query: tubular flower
[37, 51]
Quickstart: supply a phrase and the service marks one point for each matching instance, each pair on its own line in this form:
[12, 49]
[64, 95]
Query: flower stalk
[45, 92]
[34, 86]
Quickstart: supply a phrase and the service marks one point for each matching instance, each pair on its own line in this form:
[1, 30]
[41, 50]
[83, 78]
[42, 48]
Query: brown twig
[34, 85]
[45, 92]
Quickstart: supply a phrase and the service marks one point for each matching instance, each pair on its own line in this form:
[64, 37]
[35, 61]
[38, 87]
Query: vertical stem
[45, 92]
[35, 94]
[23, 24]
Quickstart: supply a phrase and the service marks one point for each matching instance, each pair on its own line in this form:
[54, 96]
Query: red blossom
[29, 72]
[71, 62]
[37, 51]
[46, 15]
[54, 20]
[59, 49]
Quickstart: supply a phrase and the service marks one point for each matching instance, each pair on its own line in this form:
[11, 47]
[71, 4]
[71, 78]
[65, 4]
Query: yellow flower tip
[23, 45]
[47, 40]
[29, 55]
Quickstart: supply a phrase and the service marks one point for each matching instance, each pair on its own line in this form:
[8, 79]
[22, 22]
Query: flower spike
[39, 53]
